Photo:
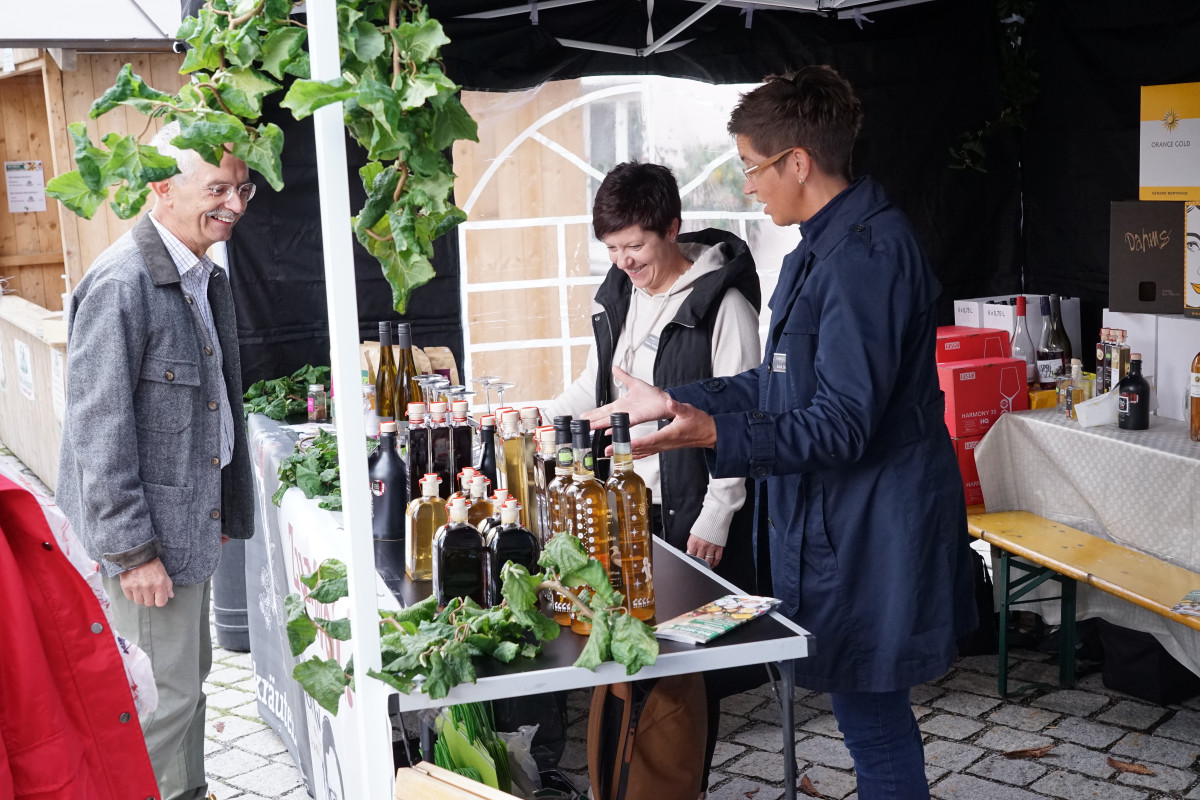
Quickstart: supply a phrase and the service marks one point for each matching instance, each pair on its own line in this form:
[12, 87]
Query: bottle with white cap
[426, 514]
[417, 454]
[439, 448]
[461, 437]
[479, 506]
[458, 559]
[513, 542]
[389, 503]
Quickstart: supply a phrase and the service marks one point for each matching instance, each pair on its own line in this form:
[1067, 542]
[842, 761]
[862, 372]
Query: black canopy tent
[1036, 219]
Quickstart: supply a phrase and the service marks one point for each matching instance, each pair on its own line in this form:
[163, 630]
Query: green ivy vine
[398, 102]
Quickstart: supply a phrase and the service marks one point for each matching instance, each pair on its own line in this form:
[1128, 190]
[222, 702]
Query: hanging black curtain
[1080, 151]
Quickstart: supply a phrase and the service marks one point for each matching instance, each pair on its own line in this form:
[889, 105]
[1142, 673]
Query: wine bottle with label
[439, 448]
[543, 474]
[1194, 399]
[426, 514]
[408, 389]
[513, 457]
[385, 376]
[389, 503]
[461, 437]
[1022, 344]
[458, 559]
[1051, 359]
[417, 452]
[1133, 404]
[629, 503]
[513, 542]
[558, 499]
[589, 501]
[487, 466]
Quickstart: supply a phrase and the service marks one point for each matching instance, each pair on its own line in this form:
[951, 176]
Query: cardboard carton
[958, 343]
[978, 391]
[964, 448]
[1146, 257]
[1191, 261]
[1003, 316]
[1170, 142]
[1178, 343]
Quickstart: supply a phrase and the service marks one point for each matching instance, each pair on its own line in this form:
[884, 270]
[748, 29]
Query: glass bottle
[589, 501]
[543, 473]
[530, 417]
[1194, 399]
[1074, 389]
[1051, 360]
[513, 542]
[1022, 344]
[318, 406]
[629, 503]
[1133, 407]
[558, 500]
[417, 453]
[1101, 374]
[439, 448]
[499, 498]
[487, 466]
[389, 503]
[1058, 333]
[479, 508]
[407, 386]
[426, 514]
[461, 437]
[458, 560]
[514, 455]
[385, 376]
[464, 481]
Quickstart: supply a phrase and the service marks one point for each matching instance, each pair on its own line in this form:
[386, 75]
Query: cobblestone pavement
[967, 730]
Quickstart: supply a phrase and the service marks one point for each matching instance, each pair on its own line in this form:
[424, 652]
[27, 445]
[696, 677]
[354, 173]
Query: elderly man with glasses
[154, 471]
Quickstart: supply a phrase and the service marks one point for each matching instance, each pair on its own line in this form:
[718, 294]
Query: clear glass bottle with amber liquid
[408, 389]
[479, 507]
[1133, 405]
[1194, 399]
[629, 504]
[511, 541]
[499, 498]
[458, 559]
[530, 417]
[589, 502]
[426, 514]
[385, 377]
[513, 456]
[543, 474]
[559, 509]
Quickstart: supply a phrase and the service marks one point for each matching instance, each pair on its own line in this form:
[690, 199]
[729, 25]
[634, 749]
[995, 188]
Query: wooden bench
[1064, 554]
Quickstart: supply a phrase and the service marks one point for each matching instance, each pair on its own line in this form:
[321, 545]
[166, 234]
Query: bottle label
[1048, 370]
[377, 488]
[1194, 385]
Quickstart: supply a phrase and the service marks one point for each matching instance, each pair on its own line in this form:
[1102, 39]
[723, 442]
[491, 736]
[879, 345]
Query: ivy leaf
[309, 480]
[243, 91]
[136, 163]
[70, 190]
[207, 132]
[594, 576]
[299, 66]
[301, 630]
[279, 47]
[439, 680]
[506, 651]
[633, 643]
[431, 226]
[596, 651]
[424, 86]
[404, 271]
[420, 40]
[544, 629]
[381, 101]
[430, 192]
[263, 153]
[563, 555]
[89, 159]
[129, 90]
[330, 591]
[305, 96]
[397, 682]
[334, 628]
[331, 569]
[458, 659]
[127, 201]
[323, 680]
[362, 39]
[244, 46]
[452, 122]
[519, 588]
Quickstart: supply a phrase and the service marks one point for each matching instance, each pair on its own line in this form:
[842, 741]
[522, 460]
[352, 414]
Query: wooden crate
[32, 384]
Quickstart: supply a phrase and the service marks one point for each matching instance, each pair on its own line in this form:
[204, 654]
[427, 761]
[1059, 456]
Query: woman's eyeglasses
[750, 172]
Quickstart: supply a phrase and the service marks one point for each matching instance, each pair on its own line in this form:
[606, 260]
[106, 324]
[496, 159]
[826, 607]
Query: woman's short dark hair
[636, 194]
[814, 108]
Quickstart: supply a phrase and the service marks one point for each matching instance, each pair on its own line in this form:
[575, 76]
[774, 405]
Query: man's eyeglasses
[750, 172]
[224, 191]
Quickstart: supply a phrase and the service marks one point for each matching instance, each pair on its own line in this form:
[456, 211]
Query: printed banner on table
[1170, 142]
[26, 186]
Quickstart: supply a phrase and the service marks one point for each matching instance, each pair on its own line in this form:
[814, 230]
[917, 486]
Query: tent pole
[372, 727]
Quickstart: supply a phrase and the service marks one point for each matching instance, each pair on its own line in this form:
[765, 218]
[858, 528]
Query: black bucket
[229, 598]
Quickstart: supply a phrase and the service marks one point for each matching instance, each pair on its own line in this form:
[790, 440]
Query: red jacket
[68, 728]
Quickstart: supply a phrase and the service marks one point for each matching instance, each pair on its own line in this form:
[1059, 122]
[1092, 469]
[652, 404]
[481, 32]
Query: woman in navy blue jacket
[843, 423]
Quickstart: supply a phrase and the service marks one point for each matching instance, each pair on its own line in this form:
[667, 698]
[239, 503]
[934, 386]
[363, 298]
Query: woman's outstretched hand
[643, 402]
[689, 427]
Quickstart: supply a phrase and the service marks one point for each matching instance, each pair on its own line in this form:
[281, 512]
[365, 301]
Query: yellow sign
[1170, 142]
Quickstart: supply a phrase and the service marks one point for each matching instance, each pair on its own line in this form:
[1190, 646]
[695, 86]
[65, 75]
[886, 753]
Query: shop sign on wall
[24, 368]
[26, 186]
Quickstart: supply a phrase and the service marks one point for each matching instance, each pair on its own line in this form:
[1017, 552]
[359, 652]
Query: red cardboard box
[959, 343]
[978, 391]
[965, 450]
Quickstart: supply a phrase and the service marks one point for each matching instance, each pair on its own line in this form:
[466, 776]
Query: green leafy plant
[313, 470]
[399, 105]
[432, 651]
[279, 398]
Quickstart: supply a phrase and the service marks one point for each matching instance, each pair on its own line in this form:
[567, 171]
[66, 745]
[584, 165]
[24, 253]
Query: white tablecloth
[1140, 489]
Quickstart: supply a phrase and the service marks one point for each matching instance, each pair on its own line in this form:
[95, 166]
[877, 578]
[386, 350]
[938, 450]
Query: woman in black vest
[675, 308]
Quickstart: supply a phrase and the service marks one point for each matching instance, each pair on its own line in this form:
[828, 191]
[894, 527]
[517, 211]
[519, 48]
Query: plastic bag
[522, 767]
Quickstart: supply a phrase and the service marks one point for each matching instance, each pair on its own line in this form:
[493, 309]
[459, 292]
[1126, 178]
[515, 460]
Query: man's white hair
[187, 159]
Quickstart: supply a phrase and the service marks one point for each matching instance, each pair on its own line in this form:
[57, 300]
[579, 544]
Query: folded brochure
[713, 619]
[1189, 605]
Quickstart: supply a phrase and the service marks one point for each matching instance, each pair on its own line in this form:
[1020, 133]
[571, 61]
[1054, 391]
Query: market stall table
[1135, 488]
[293, 539]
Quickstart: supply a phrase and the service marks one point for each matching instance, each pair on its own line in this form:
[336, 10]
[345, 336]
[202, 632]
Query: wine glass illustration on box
[1010, 385]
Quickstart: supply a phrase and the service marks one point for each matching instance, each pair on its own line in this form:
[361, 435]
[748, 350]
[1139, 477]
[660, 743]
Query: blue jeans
[882, 736]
